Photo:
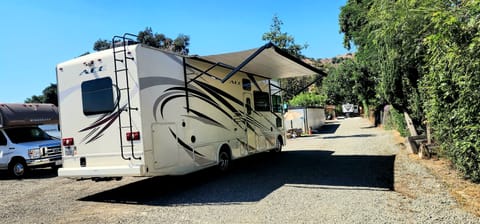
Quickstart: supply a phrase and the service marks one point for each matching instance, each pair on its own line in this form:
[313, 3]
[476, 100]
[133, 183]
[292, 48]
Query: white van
[23, 145]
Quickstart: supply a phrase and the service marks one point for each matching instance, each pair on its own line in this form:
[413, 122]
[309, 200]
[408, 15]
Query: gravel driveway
[350, 173]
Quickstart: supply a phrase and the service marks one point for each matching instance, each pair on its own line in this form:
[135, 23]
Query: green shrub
[451, 86]
[307, 99]
[395, 120]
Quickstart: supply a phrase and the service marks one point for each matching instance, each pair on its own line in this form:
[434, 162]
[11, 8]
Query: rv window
[277, 104]
[262, 103]
[97, 96]
[246, 84]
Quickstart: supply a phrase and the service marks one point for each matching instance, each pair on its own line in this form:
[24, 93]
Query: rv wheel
[278, 146]
[224, 160]
[18, 168]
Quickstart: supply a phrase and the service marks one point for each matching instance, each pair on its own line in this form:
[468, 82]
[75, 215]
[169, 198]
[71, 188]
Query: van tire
[18, 168]
[224, 160]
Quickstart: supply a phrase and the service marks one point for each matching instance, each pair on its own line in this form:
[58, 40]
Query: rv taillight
[67, 141]
[133, 135]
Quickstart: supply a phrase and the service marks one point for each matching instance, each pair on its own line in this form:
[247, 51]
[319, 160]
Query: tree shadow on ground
[328, 128]
[253, 178]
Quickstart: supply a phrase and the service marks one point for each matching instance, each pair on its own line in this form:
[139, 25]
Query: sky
[39, 34]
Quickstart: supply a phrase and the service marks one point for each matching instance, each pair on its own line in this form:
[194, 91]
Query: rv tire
[224, 160]
[278, 146]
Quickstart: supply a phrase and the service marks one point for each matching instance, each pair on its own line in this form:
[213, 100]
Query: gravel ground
[350, 173]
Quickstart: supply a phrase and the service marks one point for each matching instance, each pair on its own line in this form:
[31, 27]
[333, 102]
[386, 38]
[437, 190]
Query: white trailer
[139, 111]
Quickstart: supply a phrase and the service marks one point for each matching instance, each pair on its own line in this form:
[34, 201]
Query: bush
[394, 120]
[307, 99]
[451, 86]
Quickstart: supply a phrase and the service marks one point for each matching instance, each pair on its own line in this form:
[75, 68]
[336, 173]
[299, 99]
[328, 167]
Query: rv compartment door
[165, 147]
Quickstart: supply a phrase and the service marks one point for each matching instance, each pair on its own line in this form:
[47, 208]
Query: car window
[3, 140]
[26, 134]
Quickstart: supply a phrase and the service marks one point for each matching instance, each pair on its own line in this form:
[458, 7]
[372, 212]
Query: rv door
[249, 129]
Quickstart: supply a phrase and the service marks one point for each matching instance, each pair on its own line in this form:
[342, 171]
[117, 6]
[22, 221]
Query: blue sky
[37, 35]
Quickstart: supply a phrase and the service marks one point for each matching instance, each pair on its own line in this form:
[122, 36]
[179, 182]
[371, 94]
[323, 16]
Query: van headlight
[34, 153]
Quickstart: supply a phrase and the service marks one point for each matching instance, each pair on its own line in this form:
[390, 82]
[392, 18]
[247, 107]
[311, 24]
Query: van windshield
[26, 134]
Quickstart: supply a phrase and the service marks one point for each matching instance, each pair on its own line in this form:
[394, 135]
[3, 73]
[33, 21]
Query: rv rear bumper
[112, 171]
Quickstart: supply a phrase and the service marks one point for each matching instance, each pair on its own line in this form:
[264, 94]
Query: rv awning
[267, 61]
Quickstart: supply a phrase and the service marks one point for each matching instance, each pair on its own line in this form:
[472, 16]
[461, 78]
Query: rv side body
[174, 117]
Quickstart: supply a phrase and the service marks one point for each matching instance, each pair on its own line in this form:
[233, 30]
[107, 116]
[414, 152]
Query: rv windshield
[26, 134]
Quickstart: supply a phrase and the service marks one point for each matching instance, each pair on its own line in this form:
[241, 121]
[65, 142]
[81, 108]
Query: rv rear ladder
[128, 108]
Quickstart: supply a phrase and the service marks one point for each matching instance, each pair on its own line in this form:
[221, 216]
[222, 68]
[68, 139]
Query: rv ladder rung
[124, 88]
[120, 60]
[126, 126]
[119, 51]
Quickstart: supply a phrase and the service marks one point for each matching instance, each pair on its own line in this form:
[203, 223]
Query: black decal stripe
[195, 93]
[211, 102]
[267, 120]
[184, 145]
[90, 134]
[94, 138]
[173, 133]
[217, 93]
[148, 82]
[208, 100]
[160, 99]
[168, 100]
[206, 119]
[250, 127]
[100, 122]
[117, 114]
[256, 123]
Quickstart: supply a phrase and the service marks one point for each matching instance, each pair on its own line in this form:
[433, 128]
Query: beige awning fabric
[267, 61]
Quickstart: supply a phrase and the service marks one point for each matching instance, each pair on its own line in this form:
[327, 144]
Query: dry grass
[466, 193]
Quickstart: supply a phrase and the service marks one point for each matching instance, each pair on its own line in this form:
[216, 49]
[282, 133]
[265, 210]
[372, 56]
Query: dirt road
[350, 173]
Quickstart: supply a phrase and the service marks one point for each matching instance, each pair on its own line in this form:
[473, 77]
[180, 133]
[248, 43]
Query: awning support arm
[278, 87]
[246, 61]
[204, 72]
[305, 87]
[301, 90]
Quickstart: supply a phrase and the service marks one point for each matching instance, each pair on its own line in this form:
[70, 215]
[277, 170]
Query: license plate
[68, 151]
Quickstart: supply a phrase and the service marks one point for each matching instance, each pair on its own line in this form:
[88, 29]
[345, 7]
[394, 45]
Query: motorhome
[134, 110]
[23, 144]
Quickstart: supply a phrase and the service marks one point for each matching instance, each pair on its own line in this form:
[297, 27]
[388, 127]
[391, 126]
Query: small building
[305, 119]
